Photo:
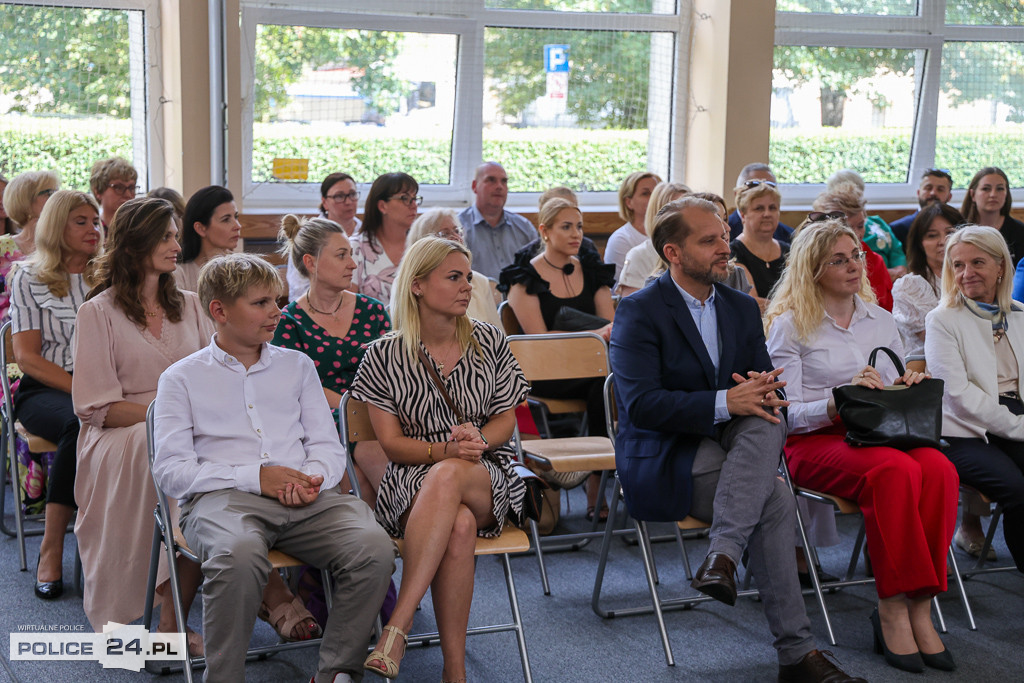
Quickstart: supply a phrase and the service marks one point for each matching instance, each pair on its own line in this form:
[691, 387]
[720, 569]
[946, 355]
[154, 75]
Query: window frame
[468, 21]
[144, 70]
[927, 31]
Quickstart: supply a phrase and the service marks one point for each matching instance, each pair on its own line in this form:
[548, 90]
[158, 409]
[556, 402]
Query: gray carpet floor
[568, 642]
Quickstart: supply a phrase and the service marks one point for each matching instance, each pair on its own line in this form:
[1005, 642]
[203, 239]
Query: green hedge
[883, 158]
[71, 153]
[534, 165]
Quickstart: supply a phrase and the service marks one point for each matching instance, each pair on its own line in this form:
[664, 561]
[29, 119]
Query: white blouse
[639, 264]
[830, 359]
[912, 299]
[34, 307]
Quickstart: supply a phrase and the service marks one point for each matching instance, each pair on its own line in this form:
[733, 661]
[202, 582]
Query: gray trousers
[736, 486]
[231, 531]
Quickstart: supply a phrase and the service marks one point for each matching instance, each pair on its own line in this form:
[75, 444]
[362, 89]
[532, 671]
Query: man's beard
[707, 276]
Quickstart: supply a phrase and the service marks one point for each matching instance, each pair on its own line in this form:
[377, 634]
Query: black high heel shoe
[48, 590]
[940, 660]
[913, 662]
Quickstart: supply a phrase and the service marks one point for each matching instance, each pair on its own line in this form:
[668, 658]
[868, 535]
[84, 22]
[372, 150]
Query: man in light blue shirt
[493, 234]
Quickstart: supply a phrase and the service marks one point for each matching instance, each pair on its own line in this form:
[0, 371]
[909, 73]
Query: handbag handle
[440, 385]
[892, 356]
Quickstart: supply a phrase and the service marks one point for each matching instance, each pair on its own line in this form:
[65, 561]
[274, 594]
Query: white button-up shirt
[218, 423]
[829, 359]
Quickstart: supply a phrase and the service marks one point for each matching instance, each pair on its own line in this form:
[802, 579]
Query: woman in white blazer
[974, 341]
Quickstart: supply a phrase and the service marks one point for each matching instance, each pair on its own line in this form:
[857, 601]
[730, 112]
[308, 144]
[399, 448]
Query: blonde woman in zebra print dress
[446, 482]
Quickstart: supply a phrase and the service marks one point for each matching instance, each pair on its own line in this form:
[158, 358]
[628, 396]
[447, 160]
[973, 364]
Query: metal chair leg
[517, 618]
[645, 549]
[535, 536]
[960, 586]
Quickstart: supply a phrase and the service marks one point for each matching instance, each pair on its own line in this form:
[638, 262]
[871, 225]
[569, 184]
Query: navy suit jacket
[901, 227]
[665, 388]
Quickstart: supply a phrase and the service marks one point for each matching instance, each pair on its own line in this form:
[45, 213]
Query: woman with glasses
[339, 200]
[391, 208]
[209, 229]
[756, 249]
[112, 182]
[988, 202]
[23, 201]
[821, 325]
[847, 199]
[444, 223]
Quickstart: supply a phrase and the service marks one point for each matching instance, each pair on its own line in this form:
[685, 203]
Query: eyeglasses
[454, 233]
[344, 196]
[45, 193]
[819, 216]
[754, 183]
[407, 200]
[841, 261]
[121, 188]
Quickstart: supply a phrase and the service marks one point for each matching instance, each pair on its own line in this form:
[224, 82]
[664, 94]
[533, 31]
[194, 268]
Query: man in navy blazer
[700, 427]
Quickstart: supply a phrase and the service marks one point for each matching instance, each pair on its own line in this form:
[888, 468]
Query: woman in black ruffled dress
[541, 290]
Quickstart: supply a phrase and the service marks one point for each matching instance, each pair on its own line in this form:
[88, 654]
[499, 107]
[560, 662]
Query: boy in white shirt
[245, 441]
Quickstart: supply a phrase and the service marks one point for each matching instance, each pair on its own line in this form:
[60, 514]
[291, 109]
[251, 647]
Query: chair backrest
[509, 321]
[611, 411]
[354, 426]
[7, 356]
[569, 355]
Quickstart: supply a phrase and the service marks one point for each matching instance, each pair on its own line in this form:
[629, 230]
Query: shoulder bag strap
[440, 385]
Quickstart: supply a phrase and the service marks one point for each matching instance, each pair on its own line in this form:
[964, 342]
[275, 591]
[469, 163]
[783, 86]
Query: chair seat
[512, 540]
[692, 524]
[559, 406]
[278, 559]
[36, 444]
[845, 505]
[574, 454]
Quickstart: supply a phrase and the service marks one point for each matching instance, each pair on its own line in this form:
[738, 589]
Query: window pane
[362, 102]
[575, 107]
[981, 110]
[988, 12]
[836, 108]
[620, 6]
[865, 7]
[65, 89]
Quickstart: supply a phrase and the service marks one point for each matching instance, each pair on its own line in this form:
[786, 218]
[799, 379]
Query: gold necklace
[441, 364]
[313, 308]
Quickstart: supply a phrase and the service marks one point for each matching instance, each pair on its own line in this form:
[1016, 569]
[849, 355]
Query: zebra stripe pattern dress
[481, 385]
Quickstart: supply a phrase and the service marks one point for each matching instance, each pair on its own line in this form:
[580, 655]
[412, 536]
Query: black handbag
[897, 416]
[569, 319]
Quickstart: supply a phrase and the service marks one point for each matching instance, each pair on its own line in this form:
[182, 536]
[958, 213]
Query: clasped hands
[755, 395]
[291, 487]
[466, 442]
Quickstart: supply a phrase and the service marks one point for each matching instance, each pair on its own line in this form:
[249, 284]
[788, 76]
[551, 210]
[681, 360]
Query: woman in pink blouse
[136, 324]
[821, 325]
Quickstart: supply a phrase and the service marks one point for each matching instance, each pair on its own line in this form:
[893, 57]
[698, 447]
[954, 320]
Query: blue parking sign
[556, 58]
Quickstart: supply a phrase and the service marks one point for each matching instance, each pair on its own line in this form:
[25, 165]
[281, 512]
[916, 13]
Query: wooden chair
[562, 356]
[24, 525]
[167, 533]
[354, 423]
[689, 526]
[509, 322]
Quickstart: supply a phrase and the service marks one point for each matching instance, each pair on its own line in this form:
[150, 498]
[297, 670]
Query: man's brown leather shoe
[717, 577]
[815, 668]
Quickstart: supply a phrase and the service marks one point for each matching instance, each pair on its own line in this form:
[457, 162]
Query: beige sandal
[287, 616]
[390, 666]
